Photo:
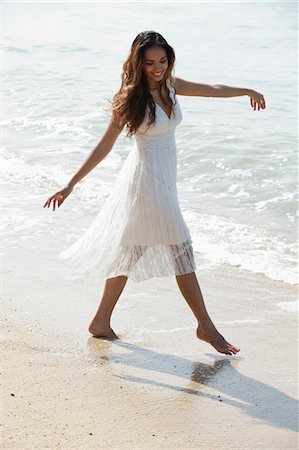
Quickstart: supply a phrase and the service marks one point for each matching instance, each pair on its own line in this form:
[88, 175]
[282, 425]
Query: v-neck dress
[140, 231]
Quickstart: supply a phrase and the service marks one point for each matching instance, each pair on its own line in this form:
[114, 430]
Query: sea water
[237, 168]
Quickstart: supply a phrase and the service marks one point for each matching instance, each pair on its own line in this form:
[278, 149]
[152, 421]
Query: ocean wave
[221, 239]
[224, 240]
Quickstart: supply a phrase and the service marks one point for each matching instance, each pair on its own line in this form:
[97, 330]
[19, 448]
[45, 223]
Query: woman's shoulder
[176, 82]
[172, 84]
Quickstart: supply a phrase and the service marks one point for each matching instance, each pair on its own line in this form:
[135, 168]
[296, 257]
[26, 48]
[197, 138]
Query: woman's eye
[150, 64]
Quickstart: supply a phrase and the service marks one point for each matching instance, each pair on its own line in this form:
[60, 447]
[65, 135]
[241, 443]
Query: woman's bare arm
[184, 87]
[97, 155]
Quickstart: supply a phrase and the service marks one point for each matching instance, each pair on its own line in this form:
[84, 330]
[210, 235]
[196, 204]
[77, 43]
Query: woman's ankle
[206, 326]
[101, 320]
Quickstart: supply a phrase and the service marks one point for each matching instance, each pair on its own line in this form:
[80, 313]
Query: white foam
[218, 239]
[223, 240]
[288, 306]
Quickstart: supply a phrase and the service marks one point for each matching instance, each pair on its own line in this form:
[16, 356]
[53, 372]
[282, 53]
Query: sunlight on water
[237, 168]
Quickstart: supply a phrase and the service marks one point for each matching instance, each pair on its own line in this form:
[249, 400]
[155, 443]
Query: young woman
[140, 231]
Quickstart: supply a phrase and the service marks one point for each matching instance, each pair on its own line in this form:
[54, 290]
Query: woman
[140, 231]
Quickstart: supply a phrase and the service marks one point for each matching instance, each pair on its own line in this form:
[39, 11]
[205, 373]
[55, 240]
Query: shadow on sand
[252, 396]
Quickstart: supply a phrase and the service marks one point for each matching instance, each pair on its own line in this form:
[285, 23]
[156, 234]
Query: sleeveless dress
[140, 231]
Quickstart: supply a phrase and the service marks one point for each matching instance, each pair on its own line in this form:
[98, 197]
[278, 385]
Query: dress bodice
[162, 133]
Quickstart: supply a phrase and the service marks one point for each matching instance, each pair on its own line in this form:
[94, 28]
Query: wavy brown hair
[129, 104]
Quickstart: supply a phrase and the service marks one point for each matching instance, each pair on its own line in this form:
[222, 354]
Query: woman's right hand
[58, 197]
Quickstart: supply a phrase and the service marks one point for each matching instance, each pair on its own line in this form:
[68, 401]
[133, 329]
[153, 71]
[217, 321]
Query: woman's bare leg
[100, 325]
[206, 330]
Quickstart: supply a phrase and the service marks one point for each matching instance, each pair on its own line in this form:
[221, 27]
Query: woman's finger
[264, 103]
[50, 199]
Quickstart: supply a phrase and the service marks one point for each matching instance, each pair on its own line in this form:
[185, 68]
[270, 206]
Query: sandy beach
[157, 387]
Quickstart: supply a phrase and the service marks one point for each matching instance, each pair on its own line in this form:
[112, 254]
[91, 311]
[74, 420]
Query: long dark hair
[129, 103]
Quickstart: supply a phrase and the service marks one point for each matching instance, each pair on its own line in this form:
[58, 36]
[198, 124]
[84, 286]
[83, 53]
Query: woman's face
[155, 64]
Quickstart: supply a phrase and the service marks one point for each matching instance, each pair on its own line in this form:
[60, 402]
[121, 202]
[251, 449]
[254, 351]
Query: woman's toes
[234, 349]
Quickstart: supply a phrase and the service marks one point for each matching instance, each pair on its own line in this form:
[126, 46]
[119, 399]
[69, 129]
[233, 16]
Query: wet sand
[157, 387]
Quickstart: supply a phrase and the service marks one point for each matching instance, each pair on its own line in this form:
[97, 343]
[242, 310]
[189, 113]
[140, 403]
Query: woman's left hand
[257, 100]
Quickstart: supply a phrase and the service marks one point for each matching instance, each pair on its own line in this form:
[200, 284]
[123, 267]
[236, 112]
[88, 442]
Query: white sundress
[140, 231]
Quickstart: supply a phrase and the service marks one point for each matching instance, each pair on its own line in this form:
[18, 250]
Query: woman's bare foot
[214, 338]
[101, 330]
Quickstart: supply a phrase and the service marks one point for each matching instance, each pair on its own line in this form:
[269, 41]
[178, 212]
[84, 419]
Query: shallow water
[237, 168]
